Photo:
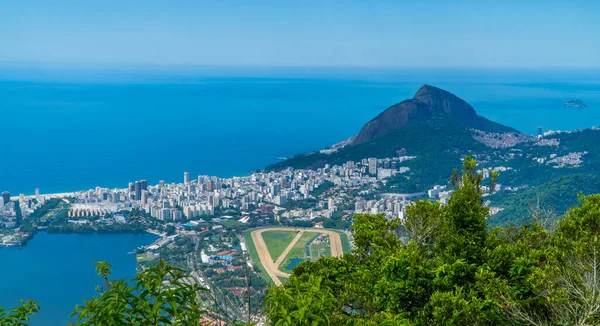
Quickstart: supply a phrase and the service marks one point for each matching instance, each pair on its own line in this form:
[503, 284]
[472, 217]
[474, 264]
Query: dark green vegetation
[454, 270]
[436, 143]
[552, 198]
[323, 188]
[42, 216]
[157, 296]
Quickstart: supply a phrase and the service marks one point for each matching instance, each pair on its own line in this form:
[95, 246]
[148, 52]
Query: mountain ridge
[434, 124]
[428, 102]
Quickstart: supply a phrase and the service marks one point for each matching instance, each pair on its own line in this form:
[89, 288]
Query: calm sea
[57, 270]
[72, 129]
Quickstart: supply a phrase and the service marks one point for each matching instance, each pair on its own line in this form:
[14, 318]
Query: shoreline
[32, 235]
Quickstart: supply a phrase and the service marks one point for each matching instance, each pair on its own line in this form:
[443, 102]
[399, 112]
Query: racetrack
[272, 268]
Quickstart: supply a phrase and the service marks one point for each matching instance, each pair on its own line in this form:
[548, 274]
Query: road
[271, 267]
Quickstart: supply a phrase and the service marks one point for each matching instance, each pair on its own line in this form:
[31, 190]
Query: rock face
[429, 105]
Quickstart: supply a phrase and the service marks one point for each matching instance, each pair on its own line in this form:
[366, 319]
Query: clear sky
[479, 33]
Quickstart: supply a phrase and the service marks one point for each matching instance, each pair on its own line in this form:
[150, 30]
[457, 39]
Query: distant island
[575, 104]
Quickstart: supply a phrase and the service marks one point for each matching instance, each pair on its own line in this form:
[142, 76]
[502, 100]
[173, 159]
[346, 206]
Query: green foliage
[436, 143]
[20, 315]
[305, 303]
[157, 296]
[325, 186]
[557, 196]
[453, 270]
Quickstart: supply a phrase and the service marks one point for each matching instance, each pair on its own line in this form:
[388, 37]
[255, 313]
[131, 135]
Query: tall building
[186, 177]
[372, 165]
[144, 197]
[137, 190]
[6, 197]
[37, 192]
[540, 134]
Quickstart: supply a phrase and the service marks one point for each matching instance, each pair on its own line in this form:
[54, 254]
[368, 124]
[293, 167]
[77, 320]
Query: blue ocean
[67, 129]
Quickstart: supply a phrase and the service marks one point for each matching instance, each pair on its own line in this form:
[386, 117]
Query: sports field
[277, 241]
[277, 250]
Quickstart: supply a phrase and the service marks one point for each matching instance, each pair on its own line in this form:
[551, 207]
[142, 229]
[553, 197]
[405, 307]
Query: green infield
[320, 249]
[277, 241]
[298, 252]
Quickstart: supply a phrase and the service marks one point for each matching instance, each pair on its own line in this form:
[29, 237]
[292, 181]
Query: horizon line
[161, 66]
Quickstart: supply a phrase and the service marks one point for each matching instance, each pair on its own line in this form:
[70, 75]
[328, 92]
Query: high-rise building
[144, 197]
[37, 192]
[372, 165]
[137, 190]
[540, 134]
[186, 177]
[6, 197]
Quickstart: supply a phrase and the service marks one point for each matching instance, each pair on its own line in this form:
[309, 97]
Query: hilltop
[430, 104]
[436, 126]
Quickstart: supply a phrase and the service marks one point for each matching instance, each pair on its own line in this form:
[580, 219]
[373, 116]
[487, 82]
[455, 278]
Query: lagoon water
[57, 270]
[67, 129]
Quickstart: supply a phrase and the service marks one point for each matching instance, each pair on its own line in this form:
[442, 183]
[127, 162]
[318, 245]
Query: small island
[575, 104]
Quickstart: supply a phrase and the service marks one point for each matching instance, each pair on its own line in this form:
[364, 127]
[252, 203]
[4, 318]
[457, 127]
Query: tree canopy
[452, 270]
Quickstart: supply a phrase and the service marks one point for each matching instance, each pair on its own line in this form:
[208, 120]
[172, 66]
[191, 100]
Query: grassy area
[147, 257]
[346, 247]
[320, 249]
[254, 256]
[282, 279]
[277, 241]
[230, 223]
[298, 251]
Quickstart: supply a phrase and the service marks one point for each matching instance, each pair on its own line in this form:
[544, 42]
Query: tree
[452, 271]
[170, 229]
[301, 303]
[423, 220]
[157, 296]
[20, 315]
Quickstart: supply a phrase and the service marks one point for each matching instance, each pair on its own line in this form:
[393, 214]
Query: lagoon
[57, 270]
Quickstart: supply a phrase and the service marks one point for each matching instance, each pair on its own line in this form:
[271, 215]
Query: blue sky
[302, 33]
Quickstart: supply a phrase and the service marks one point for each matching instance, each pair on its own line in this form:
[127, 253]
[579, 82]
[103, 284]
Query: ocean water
[66, 129]
[57, 270]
